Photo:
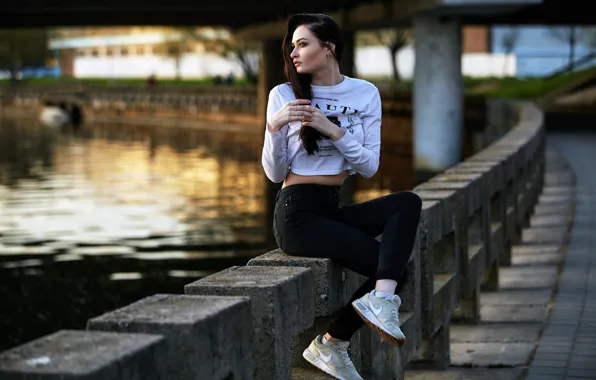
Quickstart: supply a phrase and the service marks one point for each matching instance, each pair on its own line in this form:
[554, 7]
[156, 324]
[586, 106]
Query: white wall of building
[191, 66]
[370, 61]
[375, 61]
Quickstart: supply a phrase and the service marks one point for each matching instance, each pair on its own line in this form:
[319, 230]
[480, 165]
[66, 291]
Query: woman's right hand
[295, 110]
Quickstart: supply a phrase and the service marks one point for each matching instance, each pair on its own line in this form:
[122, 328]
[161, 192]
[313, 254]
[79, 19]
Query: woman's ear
[330, 48]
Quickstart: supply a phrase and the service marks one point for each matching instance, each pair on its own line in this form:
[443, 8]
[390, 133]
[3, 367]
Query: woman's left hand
[319, 121]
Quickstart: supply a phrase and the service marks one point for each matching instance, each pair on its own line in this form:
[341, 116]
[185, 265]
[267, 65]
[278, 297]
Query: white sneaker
[331, 358]
[381, 315]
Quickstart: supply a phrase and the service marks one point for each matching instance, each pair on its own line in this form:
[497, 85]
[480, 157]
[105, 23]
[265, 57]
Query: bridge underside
[266, 17]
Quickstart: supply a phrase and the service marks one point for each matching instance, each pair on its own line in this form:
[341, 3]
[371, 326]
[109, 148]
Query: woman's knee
[408, 200]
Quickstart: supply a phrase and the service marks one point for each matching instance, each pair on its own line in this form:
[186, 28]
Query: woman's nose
[294, 53]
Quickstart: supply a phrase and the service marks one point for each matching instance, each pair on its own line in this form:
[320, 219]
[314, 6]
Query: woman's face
[307, 53]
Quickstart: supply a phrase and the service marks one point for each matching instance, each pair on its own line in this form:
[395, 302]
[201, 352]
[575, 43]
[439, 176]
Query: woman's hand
[319, 121]
[295, 110]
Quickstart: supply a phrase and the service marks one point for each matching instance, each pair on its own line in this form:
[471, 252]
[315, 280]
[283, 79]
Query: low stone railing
[222, 103]
[252, 322]
[198, 101]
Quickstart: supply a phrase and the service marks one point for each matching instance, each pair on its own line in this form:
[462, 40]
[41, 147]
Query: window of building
[124, 51]
[158, 50]
[140, 50]
[109, 52]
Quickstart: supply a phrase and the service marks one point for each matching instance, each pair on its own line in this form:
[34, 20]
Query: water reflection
[97, 218]
[121, 183]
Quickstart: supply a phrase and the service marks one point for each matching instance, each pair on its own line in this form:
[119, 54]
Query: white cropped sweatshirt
[354, 105]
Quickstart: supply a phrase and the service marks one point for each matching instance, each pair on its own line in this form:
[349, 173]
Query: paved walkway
[567, 347]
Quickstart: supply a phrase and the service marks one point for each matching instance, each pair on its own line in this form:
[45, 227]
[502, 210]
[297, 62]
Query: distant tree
[394, 39]
[243, 52]
[568, 35]
[175, 50]
[246, 54]
[20, 48]
[509, 40]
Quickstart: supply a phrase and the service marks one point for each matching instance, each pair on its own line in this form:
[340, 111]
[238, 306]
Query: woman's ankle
[386, 286]
[331, 339]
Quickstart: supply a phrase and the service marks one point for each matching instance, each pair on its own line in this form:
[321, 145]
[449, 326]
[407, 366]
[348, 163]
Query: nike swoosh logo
[326, 358]
[375, 310]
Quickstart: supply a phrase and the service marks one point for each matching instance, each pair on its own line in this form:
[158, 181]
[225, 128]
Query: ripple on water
[98, 218]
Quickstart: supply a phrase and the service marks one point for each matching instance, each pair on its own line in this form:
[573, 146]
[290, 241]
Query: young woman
[323, 126]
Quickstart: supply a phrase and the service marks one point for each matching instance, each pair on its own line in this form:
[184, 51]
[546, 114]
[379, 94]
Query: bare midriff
[326, 180]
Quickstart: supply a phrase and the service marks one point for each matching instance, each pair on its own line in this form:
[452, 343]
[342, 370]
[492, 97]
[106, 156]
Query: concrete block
[334, 284]
[282, 306]
[208, 337]
[88, 355]
[445, 300]
[518, 297]
[519, 278]
[434, 351]
[476, 261]
[496, 333]
[491, 354]
[513, 313]
[499, 249]
[380, 360]
[450, 202]
[412, 328]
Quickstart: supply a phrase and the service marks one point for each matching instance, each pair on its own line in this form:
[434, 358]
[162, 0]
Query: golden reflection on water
[114, 181]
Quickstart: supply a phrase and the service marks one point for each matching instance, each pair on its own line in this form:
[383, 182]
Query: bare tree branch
[509, 40]
[394, 40]
[568, 35]
[242, 51]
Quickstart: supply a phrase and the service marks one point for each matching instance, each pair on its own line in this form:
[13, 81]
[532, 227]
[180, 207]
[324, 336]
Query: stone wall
[252, 322]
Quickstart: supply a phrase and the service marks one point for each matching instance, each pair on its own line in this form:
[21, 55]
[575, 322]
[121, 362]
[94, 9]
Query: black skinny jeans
[308, 222]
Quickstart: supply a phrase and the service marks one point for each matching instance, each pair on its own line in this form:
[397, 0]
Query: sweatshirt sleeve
[274, 157]
[364, 158]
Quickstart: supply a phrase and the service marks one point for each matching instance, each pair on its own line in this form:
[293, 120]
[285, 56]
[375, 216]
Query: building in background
[129, 52]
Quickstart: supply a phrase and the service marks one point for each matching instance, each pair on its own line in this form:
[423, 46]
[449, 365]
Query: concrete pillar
[438, 95]
[271, 73]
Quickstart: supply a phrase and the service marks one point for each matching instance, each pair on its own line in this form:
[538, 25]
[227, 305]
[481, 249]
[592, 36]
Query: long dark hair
[327, 30]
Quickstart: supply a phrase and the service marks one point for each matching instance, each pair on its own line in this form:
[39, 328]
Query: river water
[96, 218]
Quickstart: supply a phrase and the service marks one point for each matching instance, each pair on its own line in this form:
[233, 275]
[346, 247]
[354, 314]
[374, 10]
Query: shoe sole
[371, 320]
[312, 359]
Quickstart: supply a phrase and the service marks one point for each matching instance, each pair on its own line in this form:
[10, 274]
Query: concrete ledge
[333, 284]
[88, 355]
[498, 249]
[445, 301]
[476, 265]
[282, 306]
[205, 336]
